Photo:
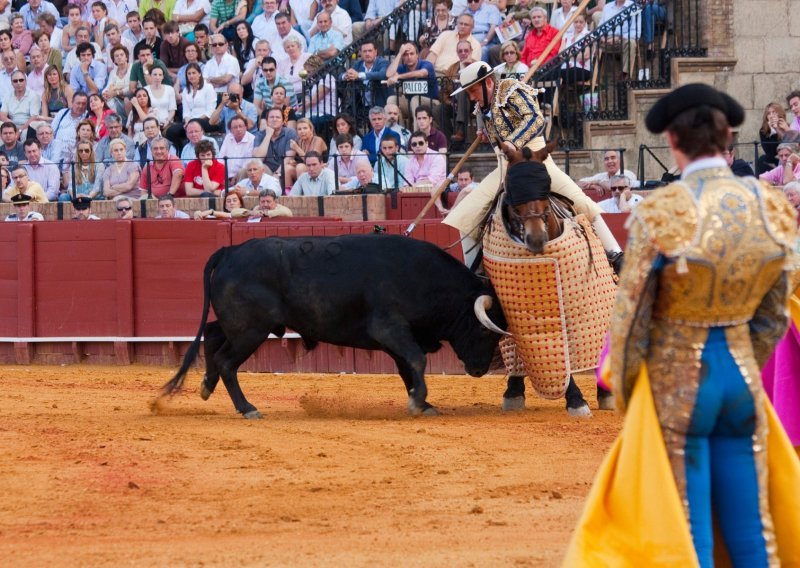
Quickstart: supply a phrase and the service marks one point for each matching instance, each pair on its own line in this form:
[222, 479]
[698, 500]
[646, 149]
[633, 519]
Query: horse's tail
[176, 383]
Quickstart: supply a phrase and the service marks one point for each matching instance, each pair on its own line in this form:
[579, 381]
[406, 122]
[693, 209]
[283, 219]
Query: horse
[535, 223]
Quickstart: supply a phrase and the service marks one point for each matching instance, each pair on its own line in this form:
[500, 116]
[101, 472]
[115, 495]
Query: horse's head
[528, 195]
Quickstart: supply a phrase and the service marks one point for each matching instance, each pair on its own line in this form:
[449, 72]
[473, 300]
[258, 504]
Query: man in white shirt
[36, 76]
[22, 106]
[48, 23]
[599, 182]
[317, 181]
[301, 10]
[118, 11]
[223, 68]
[113, 39]
[35, 8]
[9, 60]
[285, 30]
[340, 20]
[622, 200]
[625, 34]
[167, 209]
[264, 24]
[237, 146]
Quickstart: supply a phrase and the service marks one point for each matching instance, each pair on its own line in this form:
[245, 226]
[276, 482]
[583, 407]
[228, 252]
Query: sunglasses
[473, 1]
[509, 53]
[120, 209]
[217, 44]
[416, 144]
[17, 80]
[85, 150]
[265, 70]
[619, 187]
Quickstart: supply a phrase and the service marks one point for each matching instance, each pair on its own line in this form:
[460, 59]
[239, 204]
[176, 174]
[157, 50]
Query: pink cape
[781, 377]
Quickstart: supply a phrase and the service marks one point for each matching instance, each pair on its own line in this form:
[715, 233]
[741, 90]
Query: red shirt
[162, 177]
[215, 173]
[535, 44]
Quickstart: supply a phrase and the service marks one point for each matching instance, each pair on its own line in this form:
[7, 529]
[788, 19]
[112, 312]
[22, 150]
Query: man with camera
[232, 104]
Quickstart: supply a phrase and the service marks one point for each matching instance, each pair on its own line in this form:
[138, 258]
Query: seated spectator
[293, 67]
[411, 69]
[98, 112]
[162, 98]
[394, 122]
[626, 33]
[443, 52]
[194, 134]
[560, 15]
[578, 68]
[88, 176]
[424, 123]
[464, 185]
[114, 41]
[267, 83]
[234, 208]
[167, 209]
[788, 168]
[165, 174]
[326, 43]
[322, 102]
[253, 72]
[33, 9]
[285, 31]
[84, 132]
[88, 75]
[65, 122]
[205, 176]
[199, 101]
[538, 38]
[344, 124]
[264, 26]
[738, 167]
[371, 143]
[232, 104]
[307, 141]
[237, 146]
[599, 182]
[23, 210]
[317, 179]
[441, 21]
[363, 181]
[424, 167]
[98, 21]
[50, 147]
[188, 13]
[121, 178]
[11, 147]
[144, 151]
[280, 102]
[119, 80]
[23, 185]
[133, 31]
[48, 39]
[512, 67]
[9, 60]
[124, 207]
[487, 18]
[340, 21]
[458, 110]
[113, 126]
[222, 69]
[258, 180]
[202, 39]
[69, 36]
[41, 170]
[622, 200]
[773, 128]
[391, 167]
[793, 101]
[370, 70]
[22, 106]
[172, 49]
[792, 192]
[244, 44]
[82, 209]
[36, 75]
[141, 111]
[276, 149]
[151, 38]
[140, 71]
[57, 93]
[192, 56]
[268, 206]
[223, 17]
[343, 164]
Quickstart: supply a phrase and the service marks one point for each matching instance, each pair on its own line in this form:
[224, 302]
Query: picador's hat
[21, 199]
[82, 202]
[691, 96]
[473, 74]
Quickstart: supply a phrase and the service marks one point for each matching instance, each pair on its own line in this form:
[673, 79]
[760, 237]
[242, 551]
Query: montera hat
[21, 199]
[473, 74]
[82, 202]
[691, 96]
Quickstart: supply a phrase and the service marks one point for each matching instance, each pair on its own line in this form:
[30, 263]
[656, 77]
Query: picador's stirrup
[616, 259]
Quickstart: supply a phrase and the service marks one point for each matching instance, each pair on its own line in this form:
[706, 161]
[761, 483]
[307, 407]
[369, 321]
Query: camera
[233, 98]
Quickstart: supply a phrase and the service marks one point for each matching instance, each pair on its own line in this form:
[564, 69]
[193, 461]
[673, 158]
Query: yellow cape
[794, 309]
[634, 516]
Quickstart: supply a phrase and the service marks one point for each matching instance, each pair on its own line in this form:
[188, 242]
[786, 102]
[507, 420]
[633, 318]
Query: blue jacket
[373, 79]
[368, 143]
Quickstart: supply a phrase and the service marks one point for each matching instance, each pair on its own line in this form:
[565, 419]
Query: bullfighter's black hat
[21, 199]
[81, 202]
[690, 96]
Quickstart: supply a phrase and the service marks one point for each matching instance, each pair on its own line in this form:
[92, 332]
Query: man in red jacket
[538, 37]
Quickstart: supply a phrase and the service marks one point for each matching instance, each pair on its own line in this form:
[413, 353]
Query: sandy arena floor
[335, 475]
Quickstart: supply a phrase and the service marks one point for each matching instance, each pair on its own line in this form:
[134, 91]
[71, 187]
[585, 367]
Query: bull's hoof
[430, 411]
[205, 392]
[580, 412]
[252, 415]
[425, 409]
[511, 404]
[606, 402]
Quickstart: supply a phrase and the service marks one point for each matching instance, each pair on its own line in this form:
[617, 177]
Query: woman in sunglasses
[512, 67]
[88, 174]
[121, 178]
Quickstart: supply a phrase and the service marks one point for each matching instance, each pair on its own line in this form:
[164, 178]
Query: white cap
[472, 74]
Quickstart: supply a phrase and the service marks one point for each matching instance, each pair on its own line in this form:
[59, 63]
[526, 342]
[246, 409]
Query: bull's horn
[483, 303]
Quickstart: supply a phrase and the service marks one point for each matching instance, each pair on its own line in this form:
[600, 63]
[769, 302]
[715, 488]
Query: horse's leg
[576, 404]
[514, 397]
[605, 399]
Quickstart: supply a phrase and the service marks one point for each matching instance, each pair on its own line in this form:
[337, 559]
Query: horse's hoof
[205, 392]
[512, 404]
[252, 415]
[580, 412]
[606, 402]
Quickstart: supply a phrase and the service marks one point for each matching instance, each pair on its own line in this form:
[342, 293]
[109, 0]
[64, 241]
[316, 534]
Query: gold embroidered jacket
[515, 115]
[712, 250]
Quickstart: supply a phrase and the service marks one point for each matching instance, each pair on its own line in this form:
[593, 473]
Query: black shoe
[615, 259]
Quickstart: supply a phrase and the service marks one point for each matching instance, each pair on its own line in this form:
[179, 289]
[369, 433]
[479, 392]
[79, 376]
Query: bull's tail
[176, 383]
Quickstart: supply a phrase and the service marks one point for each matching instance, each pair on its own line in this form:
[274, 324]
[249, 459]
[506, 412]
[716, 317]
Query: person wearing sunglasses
[487, 17]
[22, 106]
[622, 200]
[222, 68]
[124, 207]
[425, 166]
[267, 82]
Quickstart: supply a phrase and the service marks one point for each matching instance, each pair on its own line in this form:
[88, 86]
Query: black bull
[377, 292]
